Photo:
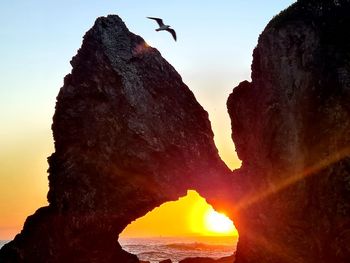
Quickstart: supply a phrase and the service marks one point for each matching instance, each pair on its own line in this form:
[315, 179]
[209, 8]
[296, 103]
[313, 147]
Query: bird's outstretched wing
[172, 31]
[159, 20]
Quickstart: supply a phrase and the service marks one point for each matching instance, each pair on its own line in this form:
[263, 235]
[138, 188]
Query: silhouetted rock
[129, 136]
[229, 259]
[165, 261]
[197, 260]
[291, 127]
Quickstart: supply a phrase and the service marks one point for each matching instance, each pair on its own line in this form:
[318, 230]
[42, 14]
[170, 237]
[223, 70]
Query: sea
[177, 248]
[155, 249]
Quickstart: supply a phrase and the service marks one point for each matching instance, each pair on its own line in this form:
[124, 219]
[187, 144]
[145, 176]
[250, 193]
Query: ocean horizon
[155, 249]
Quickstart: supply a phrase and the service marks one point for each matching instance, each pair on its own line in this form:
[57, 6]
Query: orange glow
[219, 223]
[189, 216]
[23, 179]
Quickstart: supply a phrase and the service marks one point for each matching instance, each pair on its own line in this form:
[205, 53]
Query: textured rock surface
[291, 127]
[129, 136]
[229, 259]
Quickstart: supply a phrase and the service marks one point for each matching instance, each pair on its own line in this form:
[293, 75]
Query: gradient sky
[38, 39]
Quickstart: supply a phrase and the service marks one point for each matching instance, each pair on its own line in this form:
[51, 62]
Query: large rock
[129, 136]
[291, 127]
[228, 259]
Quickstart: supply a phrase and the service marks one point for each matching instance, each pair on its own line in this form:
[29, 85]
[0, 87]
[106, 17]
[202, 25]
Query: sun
[189, 216]
[205, 221]
[218, 224]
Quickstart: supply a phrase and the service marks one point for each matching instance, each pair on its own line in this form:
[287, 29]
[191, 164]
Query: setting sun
[217, 223]
[189, 216]
[208, 222]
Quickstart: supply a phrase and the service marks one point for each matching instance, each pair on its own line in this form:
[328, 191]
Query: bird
[163, 27]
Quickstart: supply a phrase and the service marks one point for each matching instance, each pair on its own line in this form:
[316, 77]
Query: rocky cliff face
[291, 127]
[129, 136]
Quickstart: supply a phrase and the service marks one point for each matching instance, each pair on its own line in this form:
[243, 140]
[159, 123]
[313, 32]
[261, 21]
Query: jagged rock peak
[313, 11]
[110, 36]
[115, 39]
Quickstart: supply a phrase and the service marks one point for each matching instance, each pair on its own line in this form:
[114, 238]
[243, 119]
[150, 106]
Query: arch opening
[188, 227]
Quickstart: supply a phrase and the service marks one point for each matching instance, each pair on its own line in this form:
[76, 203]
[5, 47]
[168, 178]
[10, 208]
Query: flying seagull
[164, 27]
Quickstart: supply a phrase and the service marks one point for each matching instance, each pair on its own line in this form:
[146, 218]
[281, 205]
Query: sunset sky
[38, 39]
[190, 216]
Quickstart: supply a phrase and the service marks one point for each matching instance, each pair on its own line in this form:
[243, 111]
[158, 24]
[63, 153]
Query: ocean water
[176, 249]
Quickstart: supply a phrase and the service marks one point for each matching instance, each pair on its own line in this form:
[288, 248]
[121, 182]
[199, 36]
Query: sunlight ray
[292, 179]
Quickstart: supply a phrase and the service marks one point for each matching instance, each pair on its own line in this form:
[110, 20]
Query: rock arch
[129, 136]
[124, 119]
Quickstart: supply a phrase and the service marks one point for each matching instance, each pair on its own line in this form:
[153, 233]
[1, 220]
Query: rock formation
[129, 136]
[291, 127]
[228, 259]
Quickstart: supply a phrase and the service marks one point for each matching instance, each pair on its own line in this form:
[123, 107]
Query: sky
[38, 39]
[189, 216]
